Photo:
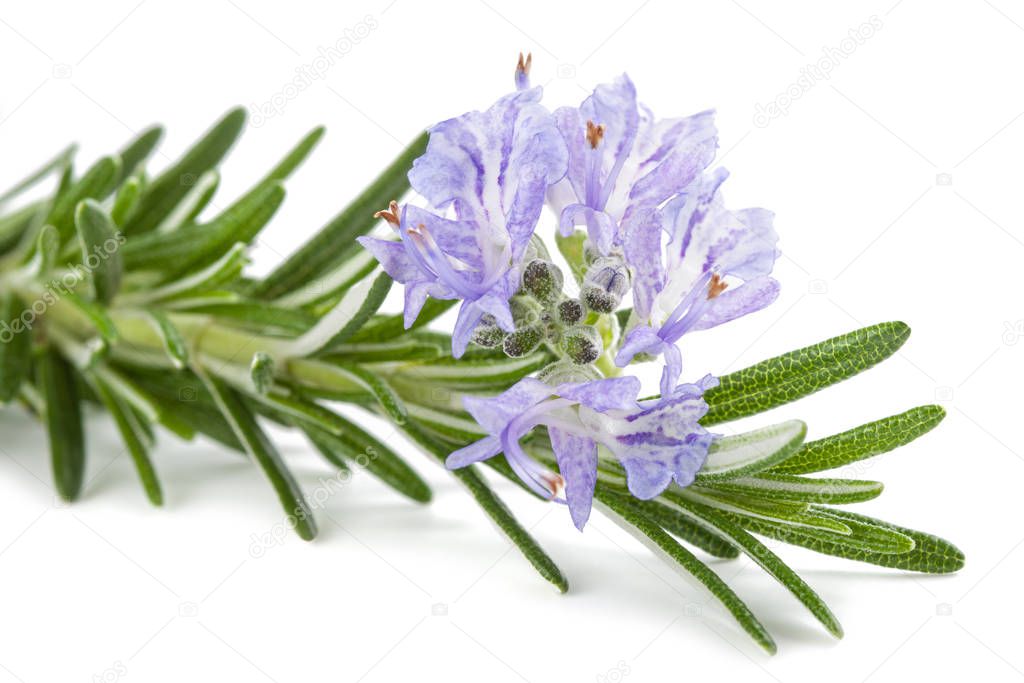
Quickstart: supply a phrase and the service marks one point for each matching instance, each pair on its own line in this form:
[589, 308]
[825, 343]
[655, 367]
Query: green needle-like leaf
[789, 487]
[792, 513]
[126, 200]
[55, 165]
[742, 455]
[931, 554]
[681, 526]
[295, 157]
[862, 442]
[96, 316]
[174, 344]
[47, 249]
[386, 328]
[138, 150]
[360, 449]
[353, 309]
[259, 447]
[336, 240]
[769, 562]
[100, 249]
[400, 351]
[655, 538]
[389, 401]
[15, 347]
[169, 187]
[135, 438]
[97, 183]
[184, 249]
[476, 375]
[796, 374]
[255, 316]
[866, 542]
[59, 388]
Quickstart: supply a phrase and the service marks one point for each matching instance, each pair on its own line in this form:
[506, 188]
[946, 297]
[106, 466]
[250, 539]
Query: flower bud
[542, 280]
[526, 312]
[607, 281]
[488, 334]
[522, 342]
[564, 372]
[570, 312]
[582, 344]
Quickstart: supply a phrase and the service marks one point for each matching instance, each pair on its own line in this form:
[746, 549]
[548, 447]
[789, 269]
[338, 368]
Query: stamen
[391, 214]
[555, 483]
[716, 286]
[595, 132]
[524, 65]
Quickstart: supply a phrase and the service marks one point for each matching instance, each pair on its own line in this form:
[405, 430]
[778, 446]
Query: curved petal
[666, 158]
[416, 294]
[469, 317]
[525, 210]
[641, 243]
[602, 395]
[577, 461]
[475, 161]
[393, 258]
[734, 303]
[494, 413]
[455, 238]
[600, 226]
[646, 478]
[485, 448]
[640, 339]
[706, 235]
[673, 368]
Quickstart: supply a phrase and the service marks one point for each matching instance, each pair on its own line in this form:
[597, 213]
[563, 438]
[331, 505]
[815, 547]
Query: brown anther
[554, 482]
[390, 214]
[716, 286]
[524, 64]
[595, 132]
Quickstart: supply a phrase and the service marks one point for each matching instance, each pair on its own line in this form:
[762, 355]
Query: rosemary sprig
[114, 290]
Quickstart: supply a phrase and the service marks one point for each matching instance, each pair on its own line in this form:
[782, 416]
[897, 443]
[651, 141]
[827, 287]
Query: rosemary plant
[115, 292]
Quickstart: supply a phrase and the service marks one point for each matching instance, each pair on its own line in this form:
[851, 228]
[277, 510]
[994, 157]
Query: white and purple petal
[577, 461]
[602, 395]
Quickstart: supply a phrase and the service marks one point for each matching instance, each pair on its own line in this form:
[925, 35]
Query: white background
[896, 183]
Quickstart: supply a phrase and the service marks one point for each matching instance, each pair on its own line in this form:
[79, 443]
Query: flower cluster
[640, 220]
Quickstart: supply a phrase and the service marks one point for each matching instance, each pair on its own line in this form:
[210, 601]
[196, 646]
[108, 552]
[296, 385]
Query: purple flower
[492, 170]
[656, 441]
[622, 160]
[717, 266]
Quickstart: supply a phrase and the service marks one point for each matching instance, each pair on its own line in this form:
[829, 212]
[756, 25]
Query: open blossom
[623, 162]
[491, 169]
[717, 266]
[656, 442]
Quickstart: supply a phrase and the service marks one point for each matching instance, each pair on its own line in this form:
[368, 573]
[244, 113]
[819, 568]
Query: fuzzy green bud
[607, 281]
[542, 280]
[570, 312]
[565, 372]
[488, 335]
[525, 311]
[522, 342]
[582, 344]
